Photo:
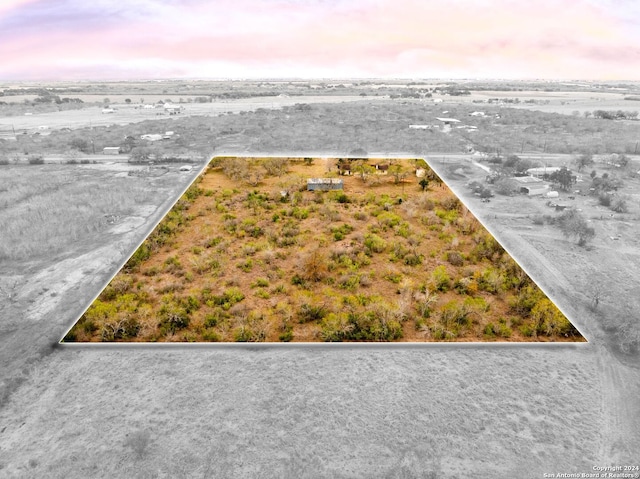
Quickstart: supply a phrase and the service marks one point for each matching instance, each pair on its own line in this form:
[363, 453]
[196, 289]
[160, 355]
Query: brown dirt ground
[314, 231]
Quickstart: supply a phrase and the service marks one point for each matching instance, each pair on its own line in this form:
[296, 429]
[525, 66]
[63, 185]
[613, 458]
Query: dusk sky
[104, 39]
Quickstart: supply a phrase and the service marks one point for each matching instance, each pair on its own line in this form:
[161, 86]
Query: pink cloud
[571, 38]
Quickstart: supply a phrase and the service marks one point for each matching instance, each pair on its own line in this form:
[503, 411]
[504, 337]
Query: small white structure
[108, 110]
[186, 168]
[151, 137]
[111, 150]
[552, 194]
[172, 109]
[421, 172]
[419, 127]
[477, 113]
[324, 184]
[531, 186]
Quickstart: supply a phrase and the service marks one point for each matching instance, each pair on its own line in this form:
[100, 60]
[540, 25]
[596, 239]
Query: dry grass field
[126, 114]
[346, 411]
[377, 260]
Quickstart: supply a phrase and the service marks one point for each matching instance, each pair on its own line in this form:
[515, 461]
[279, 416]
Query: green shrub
[372, 326]
[487, 248]
[504, 331]
[451, 203]
[394, 277]
[299, 213]
[246, 265]
[454, 313]
[549, 320]
[413, 259]
[374, 244]
[340, 197]
[387, 219]
[447, 216]
[172, 318]
[214, 318]
[492, 281]
[311, 312]
[349, 281]
[335, 328]
[298, 280]
[140, 255]
[490, 330]
[89, 327]
[211, 242]
[527, 330]
[245, 334]
[286, 336]
[121, 329]
[526, 299]
[211, 336]
[455, 258]
[340, 232]
[193, 192]
[260, 283]
[476, 304]
[441, 279]
[100, 311]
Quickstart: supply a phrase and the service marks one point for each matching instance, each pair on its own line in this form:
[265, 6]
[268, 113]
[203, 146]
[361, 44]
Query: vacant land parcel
[256, 251]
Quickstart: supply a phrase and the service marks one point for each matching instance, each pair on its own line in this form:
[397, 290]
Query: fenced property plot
[250, 254]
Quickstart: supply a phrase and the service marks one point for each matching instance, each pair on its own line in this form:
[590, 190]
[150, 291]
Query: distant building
[344, 166]
[151, 137]
[447, 122]
[324, 184]
[531, 186]
[419, 127]
[172, 109]
[111, 150]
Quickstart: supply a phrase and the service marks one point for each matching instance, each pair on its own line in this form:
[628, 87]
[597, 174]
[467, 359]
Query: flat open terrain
[377, 260]
[126, 114]
[350, 411]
